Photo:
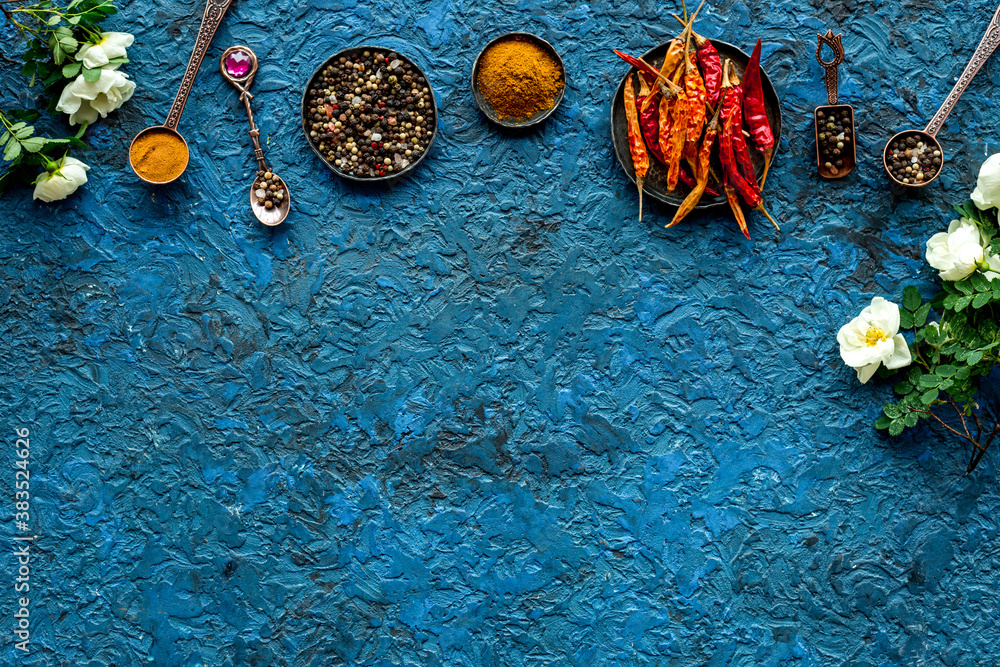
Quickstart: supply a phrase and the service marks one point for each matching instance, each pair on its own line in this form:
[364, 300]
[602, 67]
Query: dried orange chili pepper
[636, 146]
[677, 112]
[694, 89]
[675, 52]
[702, 171]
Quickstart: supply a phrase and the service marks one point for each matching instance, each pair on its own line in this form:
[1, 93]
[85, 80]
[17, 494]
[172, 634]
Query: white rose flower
[958, 252]
[987, 192]
[872, 339]
[62, 182]
[111, 46]
[83, 100]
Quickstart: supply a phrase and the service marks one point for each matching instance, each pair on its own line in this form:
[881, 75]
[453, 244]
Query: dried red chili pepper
[649, 117]
[732, 178]
[638, 63]
[701, 174]
[640, 157]
[688, 180]
[754, 111]
[739, 141]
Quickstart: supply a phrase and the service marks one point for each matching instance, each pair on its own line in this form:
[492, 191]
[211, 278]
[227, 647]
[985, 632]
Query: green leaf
[982, 299]
[12, 151]
[950, 301]
[71, 70]
[882, 423]
[920, 317]
[73, 20]
[903, 388]
[945, 370]
[905, 319]
[892, 410]
[34, 144]
[964, 286]
[962, 303]
[54, 19]
[896, 427]
[911, 418]
[911, 298]
[91, 75]
[929, 396]
[929, 380]
[974, 357]
[962, 373]
[980, 282]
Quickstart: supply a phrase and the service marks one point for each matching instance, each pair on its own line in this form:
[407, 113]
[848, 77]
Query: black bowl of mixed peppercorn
[369, 114]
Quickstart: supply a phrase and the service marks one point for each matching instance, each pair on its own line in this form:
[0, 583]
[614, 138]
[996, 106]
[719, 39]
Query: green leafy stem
[953, 354]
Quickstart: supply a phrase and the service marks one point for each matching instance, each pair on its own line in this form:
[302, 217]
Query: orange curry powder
[519, 78]
[158, 156]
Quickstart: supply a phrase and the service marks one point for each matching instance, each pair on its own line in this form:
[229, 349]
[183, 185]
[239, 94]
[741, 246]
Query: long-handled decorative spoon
[270, 200]
[159, 154]
[914, 158]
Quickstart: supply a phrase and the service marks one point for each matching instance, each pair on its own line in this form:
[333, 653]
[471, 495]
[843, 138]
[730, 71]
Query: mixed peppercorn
[913, 158]
[694, 107]
[835, 139]
[269, 190]
[370, 114]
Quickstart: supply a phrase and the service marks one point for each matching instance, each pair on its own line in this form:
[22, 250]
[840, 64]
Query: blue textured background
[484, 416]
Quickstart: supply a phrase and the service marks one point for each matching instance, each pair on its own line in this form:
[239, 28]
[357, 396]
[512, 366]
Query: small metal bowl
[350, 52]
[535, 118]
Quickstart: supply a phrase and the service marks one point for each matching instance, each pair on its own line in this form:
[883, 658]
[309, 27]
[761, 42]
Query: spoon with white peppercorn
[270, 200]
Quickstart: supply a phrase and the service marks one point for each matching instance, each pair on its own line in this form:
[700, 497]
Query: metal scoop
[836, 141]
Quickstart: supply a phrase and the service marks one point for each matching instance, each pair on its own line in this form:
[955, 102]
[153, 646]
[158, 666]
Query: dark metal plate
[656, 180]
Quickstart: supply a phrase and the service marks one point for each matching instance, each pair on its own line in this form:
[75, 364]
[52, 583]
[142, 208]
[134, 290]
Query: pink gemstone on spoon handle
[238, 64]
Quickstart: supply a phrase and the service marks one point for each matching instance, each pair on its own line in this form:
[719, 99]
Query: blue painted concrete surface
[484, 416]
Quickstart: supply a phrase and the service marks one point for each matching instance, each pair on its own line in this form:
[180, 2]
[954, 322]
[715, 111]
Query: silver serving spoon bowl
[238, 65]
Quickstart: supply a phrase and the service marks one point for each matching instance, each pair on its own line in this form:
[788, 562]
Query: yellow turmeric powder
[519, 78]
[158, 155]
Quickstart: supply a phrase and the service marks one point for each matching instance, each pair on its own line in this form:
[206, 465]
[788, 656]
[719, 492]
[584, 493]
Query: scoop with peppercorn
[835, 141]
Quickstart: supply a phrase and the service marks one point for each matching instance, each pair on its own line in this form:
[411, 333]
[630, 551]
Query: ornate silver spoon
[270, 200]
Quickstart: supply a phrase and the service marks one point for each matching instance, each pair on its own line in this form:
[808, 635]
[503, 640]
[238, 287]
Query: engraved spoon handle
[988, 44]
[837, 46]
[214, 11]
[258, 152]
